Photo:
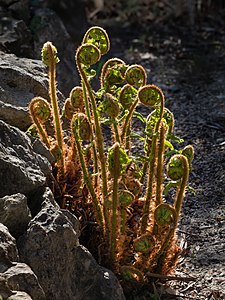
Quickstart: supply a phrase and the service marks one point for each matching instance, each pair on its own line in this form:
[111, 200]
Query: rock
[15, 214]
[73, 15]
[21, 79]
[15, 276]
[22, 170]
[64, 269]
[20, 277]
[91, 281]
[5, 291]
[47, 26]
[20, 296]
[15, 36]
[8, 250]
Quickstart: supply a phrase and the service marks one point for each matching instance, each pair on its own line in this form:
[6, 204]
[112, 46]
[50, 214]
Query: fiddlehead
[126, 198]
[178, 170]
[97, 36]
[112, 73]
[40, 112]
[188, 151]
[49, 57]
[93, 54]
[129, 100]
[131, 274]
[77, 99]
[145, 243]
[136, 76]
[111, 107]
[164, 215]
[128, 95]
[152, 96]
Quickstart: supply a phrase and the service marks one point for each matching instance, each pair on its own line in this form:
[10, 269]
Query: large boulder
[47, 26]
[22, 169]
[14, 213]
[16, 279]
[65, 269]
[21, 79]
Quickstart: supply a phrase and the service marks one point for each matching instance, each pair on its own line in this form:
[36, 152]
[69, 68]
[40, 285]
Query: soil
[189, 66]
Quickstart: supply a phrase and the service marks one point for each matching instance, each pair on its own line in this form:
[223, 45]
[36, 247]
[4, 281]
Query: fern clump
[102, 180]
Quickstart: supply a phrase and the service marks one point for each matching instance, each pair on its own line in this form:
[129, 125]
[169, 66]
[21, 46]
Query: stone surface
[5, 291]
[64, 269]
[19, 296]
[20, 277]
[21, 79]
[15, 214]
[8, 250]
[15, 276]
[72, 13]
[47, 26]
[22, 170]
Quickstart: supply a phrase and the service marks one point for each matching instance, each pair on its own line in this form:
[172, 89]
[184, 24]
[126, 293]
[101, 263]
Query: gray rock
[47, 26]
[15, 214]
[91, 281]
[5, 291]
[21, 79]
[16, 37]
[20, 296]
[64, 269]
[22, 170]
[8, 250]
[15, 276]
[20, 277]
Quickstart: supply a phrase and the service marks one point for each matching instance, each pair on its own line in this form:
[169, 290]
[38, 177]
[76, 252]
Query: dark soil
[189, 66]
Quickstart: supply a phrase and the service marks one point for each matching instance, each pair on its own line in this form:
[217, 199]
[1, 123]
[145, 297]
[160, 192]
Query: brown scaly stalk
[135, 76]
[49, 57]
[40, 112]
[178, 169]
[159, 169]
[80, 120]
[86, 55]
[115, 199]
[152, 96]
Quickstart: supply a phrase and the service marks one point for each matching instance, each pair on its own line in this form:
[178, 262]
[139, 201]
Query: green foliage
[125, 187]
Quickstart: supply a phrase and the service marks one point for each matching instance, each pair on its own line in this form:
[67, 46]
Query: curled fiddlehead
[131, 274]
[178, 170]
[89, 54]
[97, 36]
[82, 125]
[49, 58]
[145, 243]
[68, 110]
[164, 215]
[110, 105]
[126, 198]
[136, 75]
[129, 100]
[77, 99]
[188, 151]
[152, 96]
[128, 95]
[40, 112]
[112, 73]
